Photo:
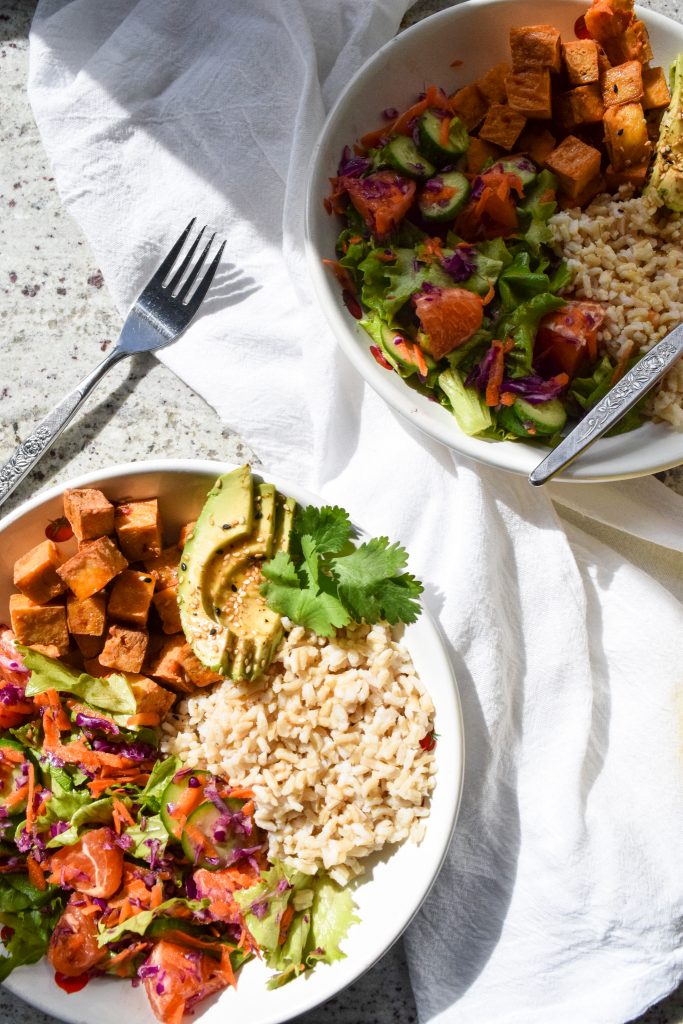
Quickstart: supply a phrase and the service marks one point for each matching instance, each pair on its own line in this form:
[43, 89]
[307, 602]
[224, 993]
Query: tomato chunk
[567, 340]
[93, 865]
[382, 199]
[449, 317]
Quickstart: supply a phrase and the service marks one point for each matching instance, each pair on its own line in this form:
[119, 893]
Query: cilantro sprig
[324, 581]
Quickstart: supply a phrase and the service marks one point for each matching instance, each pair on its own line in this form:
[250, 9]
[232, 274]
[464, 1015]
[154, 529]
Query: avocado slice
[667, 172]
[225, 618]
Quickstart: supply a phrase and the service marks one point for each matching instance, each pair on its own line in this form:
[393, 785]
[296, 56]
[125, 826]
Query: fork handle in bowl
[31, 450]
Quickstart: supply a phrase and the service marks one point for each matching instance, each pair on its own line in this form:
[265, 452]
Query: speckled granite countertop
[57, 319]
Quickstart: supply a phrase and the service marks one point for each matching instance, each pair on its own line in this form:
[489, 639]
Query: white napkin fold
[562, 895]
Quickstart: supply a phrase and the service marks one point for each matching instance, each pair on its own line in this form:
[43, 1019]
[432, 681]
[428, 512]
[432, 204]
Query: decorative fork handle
[610, 409]
[32, 449]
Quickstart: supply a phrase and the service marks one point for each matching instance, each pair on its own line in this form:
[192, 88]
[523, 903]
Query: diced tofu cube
[574, 163]
[91, 515]
[582, 105]
[138, 528]
[124, 648]
[528, 93]
[194, 671]
[502, 126]
[89, 646]
[166, 666]
[149, 696]
[492, 84]
[92, 567]
[655, 89]
[94, 667]
[623, 84]
[43, 624]
[626, 136]
[470, 106]
[534, 47]
[581, 61]
[35, 573]
[130, 598]
[588, 192]
[88, 616]
[166, 604]
[635, 43]
[537, 142]
[480, 153]
[164, 568]
[635, 175]
[186, 533]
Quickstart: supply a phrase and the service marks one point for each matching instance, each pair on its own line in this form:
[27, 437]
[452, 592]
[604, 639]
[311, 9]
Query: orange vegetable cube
[626, 136]
[502, 126]
[166, 666]
[124, 648]
[39, 624]
[635, 175]
[588, 192]
[164, 568]
[149, 696]
[195, 672]
[92, 567]
[575, 164]
[581, 61]
[655, 89]
[480, 153]
[88, 616]
[635, 43]
[131, 597]
[166, 604]
[470, 106]
[582, 105]
[186, 533]
[537, 142]
[90, 514]
[35, 573]
[607, 22]
[138, 528]
[492, 85]
[534, 47]
[89, 646]
[623, 84]
[528, 92]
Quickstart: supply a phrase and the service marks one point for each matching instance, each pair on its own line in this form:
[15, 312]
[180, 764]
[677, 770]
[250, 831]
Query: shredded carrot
[248, 809]
[241, 793]
[123, 812]
[226, 968]
[16, 797]
[145, 718]
[187, 802]
[8, 754]
[507, 398]
[444, 128]
[125, 912]
[30, 796]
[200, 839]
[116, 820]
[285, 921]
[342, 275]
[489, 295]
[36, 874]
[126, 954]
[496, 375]
[157, 895]
[434, 98]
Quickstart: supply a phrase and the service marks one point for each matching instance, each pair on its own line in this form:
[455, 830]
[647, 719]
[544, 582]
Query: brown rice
[329, 740]
[627, 253]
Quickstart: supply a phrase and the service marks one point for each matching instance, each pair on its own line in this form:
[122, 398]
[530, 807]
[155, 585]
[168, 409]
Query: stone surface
[57, 321]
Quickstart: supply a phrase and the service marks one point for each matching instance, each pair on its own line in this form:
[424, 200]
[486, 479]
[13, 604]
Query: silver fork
[160, 314]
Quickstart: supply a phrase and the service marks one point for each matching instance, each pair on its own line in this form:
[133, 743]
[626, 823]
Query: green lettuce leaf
[111, 694]
[31, 931]
[99, 812]
[331, 917]
[160, 776]
[154, 829]
[522, 324]
[388, 286]
[139, 923]
[471, 412]
[17, 893]
[263, 906]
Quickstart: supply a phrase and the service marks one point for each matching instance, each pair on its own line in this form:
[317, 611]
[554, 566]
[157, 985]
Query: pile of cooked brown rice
[329, 741]
[627, 253]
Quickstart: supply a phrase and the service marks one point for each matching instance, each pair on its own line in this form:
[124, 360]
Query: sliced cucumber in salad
[174, 795]
[526, 420]
[431, 138]
[209, 840]
[444, 196]
[522, 166]
[403, 155]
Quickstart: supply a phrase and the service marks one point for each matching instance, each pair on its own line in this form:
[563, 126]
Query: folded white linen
[562, 896]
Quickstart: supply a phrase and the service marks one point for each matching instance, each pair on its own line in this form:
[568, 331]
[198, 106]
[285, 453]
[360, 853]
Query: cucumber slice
[546, 418]
[207, 841]
[429, 133]
[175, 789]
[506, 418]
[443, 197]
[13, 777]
[402, 154]
[401, 355]
[522, 166]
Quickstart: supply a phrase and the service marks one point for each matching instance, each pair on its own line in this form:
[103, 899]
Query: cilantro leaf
[372, 586]
[329, 528]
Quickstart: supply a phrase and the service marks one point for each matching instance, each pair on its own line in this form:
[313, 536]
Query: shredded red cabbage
[390, 113]
[477, 187]
[154, 847]
[259, 909]
[10, 692]
[352, 166]
[535, 389]
[57, 828]
[462, 264]
[478, 377]
[87, 721]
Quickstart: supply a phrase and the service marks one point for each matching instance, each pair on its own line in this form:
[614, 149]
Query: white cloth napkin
[562, 895]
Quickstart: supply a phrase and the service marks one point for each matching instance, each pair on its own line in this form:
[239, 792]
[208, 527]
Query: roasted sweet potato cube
[89, 646]
[626, 136]
[492, 84]
[502, 126]
[92, 567]
[537, 142]
[574, 163]
[606, 22]
[655, 89]
[164, 568]
[149, 696]
[91, 515]
[635, 43]
[130, 598]
[166, 666]
[480, 153]
[138, 528]
[635, 175]
[582, 105]
[588, 192]
[43, 624]
[194, 671]
[528, 93]
[623, 84]
[94, 667]
[87, 617]
[534, 47]
[581, 61]
[124, 648]
[166, 604]
[35, 573]
[470, 106]
[186, 533]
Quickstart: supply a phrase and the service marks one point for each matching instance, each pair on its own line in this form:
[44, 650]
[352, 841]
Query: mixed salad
[116, 859]
[445, 255]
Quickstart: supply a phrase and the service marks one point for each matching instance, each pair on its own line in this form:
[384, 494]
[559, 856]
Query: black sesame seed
[146, 579]
[217, 611]
[233, 588]
[615, 88]
[183, 566]
[620, 132]
[212, 632]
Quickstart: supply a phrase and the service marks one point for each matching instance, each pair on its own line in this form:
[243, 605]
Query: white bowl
[476, 33]
[395, 886]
